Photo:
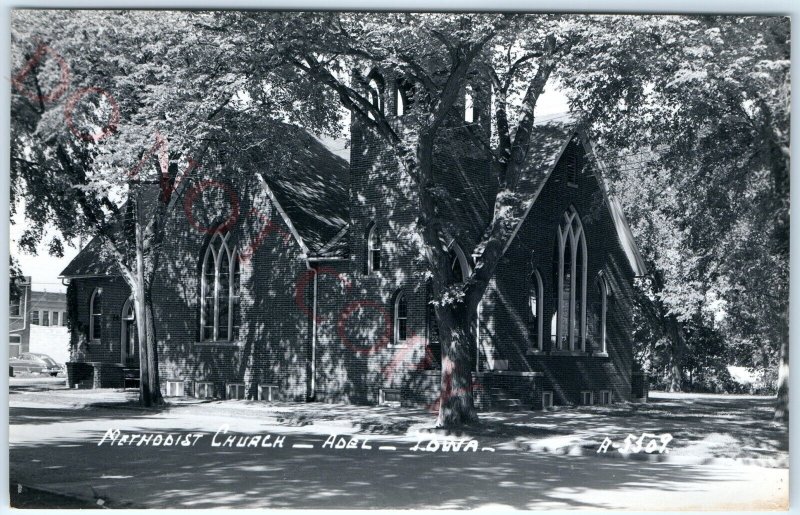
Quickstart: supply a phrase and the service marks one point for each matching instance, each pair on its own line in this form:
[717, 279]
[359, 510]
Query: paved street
[56, 447]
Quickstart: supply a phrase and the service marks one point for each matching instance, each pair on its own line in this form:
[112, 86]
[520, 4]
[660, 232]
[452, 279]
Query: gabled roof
[549, 139]
[308, 182]
[311, 188]
[91, 261]
[95, 261]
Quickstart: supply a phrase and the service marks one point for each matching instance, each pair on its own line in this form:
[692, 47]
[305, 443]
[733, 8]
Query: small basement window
[204, 390]
[268, 392]
[234, 391]
[547, 400]
[587, 398]
[390, 396]
[175, 389]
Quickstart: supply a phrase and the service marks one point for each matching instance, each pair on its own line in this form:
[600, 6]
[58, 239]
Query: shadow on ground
[205, 477]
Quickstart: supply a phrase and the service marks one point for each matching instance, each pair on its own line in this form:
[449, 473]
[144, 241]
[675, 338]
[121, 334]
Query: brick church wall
[507, 316]
[107, 349]
[274, 333]
[355, 356]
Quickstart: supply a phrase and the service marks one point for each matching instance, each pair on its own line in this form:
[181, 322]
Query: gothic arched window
[603, 291]
[373, 249]
[219, 286]
[400, 102]
[433, 351]
[459, 266]
[469, 105]
[400, 318]
[571, 248]
[404, 94]
[535, 315]
[375, 92]
[96, 315]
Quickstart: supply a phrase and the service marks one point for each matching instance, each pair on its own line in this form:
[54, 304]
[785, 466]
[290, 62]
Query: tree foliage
[692, 114]
[703, 112]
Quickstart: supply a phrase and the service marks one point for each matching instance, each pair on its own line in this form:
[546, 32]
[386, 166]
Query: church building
[291, 272]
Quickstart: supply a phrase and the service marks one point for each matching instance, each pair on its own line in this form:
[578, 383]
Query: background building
[18, 322]
[38, 322]
[48, 325]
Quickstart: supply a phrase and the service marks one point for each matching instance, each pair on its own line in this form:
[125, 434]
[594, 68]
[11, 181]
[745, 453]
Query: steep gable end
[551, 139]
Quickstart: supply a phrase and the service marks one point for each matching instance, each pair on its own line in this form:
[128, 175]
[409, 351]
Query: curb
[96, 501]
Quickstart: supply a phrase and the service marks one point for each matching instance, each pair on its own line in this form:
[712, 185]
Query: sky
[45, 269]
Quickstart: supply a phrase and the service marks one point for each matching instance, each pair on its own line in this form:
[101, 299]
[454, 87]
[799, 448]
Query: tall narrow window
[400, 102]
[400, 318]
[15, 311]
[404, 95]
[223, 295]
[35, 317]
[219, 291]
[45, 318]
[602, 290]
[235, 301]
[129, 342]
[433, 352]
[571, 161]
[55, 317]
[459, 266]
[209, 281]
[95, 315]
[535, 316]
[373, 249]
[469, 106]
[374, 92]
[571, 251]
[455, 267]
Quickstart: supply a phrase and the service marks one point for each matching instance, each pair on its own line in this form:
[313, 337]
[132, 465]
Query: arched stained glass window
[96, 315]
[373, 249]
[603, 291]
[571, 299]
[459, 266]
[219, 297]
[400, 318]
[469, 105]
[375, 92]
[401, 102]
[535, 316]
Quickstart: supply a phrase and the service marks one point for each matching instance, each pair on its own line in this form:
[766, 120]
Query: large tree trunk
[456, 404]
[152, 352]
[149, 388]
[673, 330]
[454, 318]
[141, 333]
[677, 349]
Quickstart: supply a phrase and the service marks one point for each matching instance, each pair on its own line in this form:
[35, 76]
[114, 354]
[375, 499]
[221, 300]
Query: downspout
[312, 369]
[478, 338]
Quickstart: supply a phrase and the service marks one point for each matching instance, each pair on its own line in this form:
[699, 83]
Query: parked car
[35, 363]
